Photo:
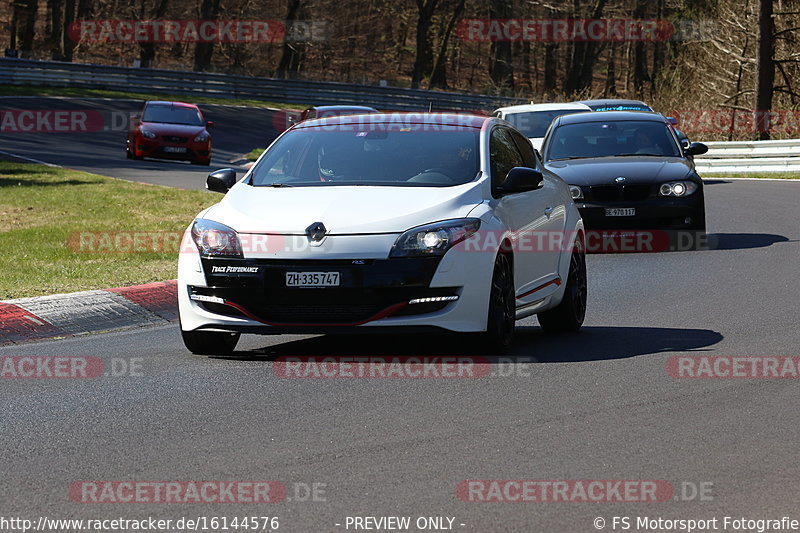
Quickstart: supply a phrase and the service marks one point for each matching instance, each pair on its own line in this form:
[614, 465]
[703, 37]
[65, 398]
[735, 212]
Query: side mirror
[522, 179]
[209, 124]
[696, 149]
[221, 180]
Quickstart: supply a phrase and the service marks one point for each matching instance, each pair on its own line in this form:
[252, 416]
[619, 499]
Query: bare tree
[289, 64]
[209, 10]
[584, 57]
[147, 50]
[439, 75]
[765, 69]
[501, 68]
[423, 62]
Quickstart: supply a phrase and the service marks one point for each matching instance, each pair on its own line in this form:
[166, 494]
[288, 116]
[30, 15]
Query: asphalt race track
[236, 131]
[598, 405]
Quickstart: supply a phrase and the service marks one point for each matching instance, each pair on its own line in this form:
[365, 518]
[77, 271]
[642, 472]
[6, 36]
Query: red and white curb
[79, 313]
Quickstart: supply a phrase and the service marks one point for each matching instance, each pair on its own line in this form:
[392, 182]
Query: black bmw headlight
[677, 188]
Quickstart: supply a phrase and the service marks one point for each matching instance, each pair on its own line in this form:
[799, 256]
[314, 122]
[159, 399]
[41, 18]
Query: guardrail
[750, 156]
[34, 72]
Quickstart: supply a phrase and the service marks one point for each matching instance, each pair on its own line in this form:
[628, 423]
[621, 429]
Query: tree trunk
[67, 44]
[584, 57]
[549, 82]
[30, 8]
[147, 50]
[289, 64]
[423, 62]
[610, 89]
[439, 75]
[640, 75]
[209, 10]
[501, 70]
[765, 70]
[57, 32]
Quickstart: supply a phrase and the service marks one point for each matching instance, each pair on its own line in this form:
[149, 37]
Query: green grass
[254, 154]
[43, 211]
[771, 175]
[30, 90]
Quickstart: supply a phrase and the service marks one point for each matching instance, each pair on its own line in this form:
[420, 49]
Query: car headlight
[203, 137]
[434, 239]
[215, 239]
[576, 192]
[677, 188]
[148, 134]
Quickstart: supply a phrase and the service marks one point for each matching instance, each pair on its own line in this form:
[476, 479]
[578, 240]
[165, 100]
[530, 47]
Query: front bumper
[187, 151]
[659, 212]
[251, 295]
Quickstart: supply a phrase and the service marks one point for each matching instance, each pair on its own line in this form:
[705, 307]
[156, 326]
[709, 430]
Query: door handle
[548, 211]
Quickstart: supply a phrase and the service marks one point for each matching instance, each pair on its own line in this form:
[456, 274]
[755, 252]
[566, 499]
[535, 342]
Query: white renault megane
[385, 222]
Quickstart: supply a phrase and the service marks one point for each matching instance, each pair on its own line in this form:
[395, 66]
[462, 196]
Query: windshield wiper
[278, 185]
[635, 155]
[568, 158]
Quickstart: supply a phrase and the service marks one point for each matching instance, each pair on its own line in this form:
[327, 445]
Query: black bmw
[627, 170]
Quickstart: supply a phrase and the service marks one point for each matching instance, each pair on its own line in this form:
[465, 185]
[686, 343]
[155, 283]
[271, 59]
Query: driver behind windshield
[451, 161]
[644, 143]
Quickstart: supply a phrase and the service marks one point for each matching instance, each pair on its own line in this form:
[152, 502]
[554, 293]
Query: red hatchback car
[170, 130]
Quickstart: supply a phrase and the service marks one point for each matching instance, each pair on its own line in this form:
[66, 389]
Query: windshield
[608, 139]
[404, 157]
[534, 124]
[171, 114]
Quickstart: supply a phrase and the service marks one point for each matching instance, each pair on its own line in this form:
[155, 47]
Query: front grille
[606, 193]
[635, 192]
[174, 139]
[614, 193]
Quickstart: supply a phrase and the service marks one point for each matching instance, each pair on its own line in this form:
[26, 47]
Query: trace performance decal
[234, 269]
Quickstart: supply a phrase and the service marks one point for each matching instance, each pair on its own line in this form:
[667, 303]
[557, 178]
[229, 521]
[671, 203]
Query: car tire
[501, 317]
[570, 313]
[210, 342]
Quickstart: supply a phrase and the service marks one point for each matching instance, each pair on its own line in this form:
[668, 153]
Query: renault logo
[620, 179]
[316, 231]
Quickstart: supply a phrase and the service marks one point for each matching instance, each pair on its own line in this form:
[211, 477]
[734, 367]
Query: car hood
[182, 130]
[603, 170]
[343, 209]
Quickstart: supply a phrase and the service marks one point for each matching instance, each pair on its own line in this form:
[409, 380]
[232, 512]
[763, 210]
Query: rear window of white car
[534, 124]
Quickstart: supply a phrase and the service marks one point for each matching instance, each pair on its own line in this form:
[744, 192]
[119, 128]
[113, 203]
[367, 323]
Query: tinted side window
[504, 155]
[526, 149]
